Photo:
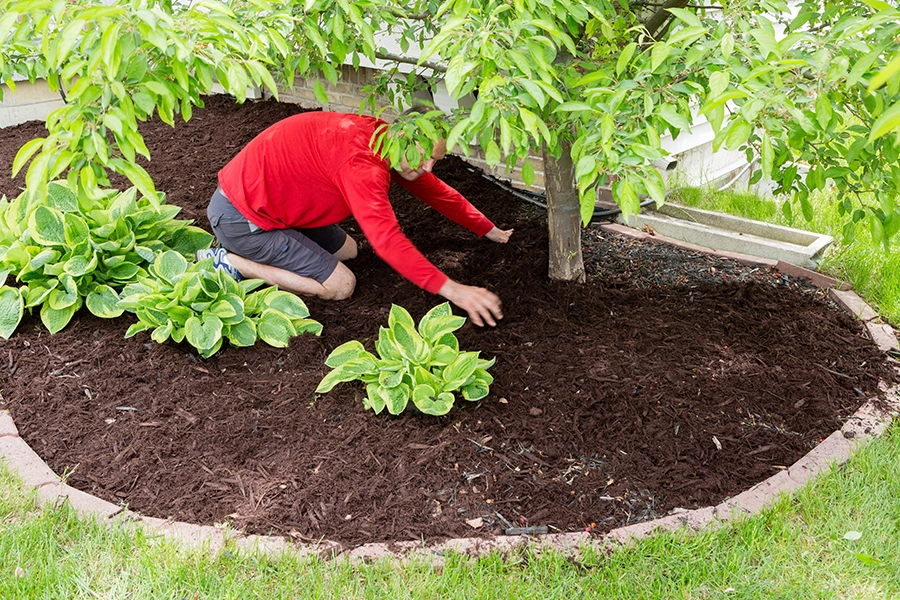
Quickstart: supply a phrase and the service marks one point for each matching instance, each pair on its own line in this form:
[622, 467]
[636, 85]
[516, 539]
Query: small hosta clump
[422, 364]
[205, 307]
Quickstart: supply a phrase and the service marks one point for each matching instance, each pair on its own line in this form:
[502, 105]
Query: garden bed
[671, 379]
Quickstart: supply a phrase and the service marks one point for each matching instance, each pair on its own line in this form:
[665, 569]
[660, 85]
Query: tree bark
[563, 216]
[658, 23]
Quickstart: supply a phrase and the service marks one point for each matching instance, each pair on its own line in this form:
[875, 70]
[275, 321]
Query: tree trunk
[563, 216]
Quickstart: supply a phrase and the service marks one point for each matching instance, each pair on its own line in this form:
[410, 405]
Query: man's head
[425, 164]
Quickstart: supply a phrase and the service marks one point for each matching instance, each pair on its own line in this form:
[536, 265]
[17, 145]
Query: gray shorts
[306, 252]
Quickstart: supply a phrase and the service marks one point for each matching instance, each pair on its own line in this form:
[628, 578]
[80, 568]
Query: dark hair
[418, 109]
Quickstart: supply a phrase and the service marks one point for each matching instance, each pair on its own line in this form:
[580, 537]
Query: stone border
[867, 423]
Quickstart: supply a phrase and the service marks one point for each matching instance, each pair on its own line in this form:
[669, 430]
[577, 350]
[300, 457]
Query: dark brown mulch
[671, 379]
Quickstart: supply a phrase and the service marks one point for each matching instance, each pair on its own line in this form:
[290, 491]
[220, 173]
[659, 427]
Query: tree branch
[697, 6]
[410, 61]
[412, 17]
[657, 23]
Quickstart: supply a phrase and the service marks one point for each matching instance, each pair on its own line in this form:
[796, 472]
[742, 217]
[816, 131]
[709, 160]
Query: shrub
[194, 302]
[421, 364]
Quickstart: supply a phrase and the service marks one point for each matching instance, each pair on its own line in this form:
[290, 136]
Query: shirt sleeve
[432, 191]
[365, 188]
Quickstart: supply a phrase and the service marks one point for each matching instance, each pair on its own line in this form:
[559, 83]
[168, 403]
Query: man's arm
[435, 193]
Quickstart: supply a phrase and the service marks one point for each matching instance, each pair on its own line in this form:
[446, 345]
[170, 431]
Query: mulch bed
[671, 379]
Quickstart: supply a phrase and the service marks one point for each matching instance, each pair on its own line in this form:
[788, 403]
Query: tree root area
[670, 380]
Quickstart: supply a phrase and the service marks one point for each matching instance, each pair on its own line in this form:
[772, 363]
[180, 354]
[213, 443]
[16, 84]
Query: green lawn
[837, 538]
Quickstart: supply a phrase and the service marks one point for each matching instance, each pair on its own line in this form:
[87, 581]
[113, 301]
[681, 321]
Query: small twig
[482, 446]
[836, 373]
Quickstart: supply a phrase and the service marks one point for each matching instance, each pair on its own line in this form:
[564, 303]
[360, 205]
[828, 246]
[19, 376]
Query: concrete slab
[734, 234]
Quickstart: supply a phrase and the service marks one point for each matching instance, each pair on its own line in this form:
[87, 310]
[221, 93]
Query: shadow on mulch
[671, 379]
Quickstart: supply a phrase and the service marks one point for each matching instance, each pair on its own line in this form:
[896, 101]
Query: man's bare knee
[348, 251]
[340, 284]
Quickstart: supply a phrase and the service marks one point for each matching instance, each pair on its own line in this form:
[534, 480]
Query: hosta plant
[194, 302]
[60, 251]
[422, 364]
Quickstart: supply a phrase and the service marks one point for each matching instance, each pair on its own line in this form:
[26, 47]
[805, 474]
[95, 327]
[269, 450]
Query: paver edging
[867, 423]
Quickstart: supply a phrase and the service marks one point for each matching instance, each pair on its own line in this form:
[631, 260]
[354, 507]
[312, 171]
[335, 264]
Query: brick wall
[344, 96]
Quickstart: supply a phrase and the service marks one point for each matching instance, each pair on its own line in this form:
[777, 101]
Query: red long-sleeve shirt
[316, 169]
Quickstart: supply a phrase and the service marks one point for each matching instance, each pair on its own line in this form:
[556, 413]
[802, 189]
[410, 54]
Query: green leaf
[670, 115]
[527, 172]
[766, 40]
[75, 229]
[442, 355]
[395, 399]
[437, 327]
[46, 226]
[275, 329]
[888, 122]
[345, 352]
[386, 346]
[25, 153]
[492, 154]
[399, 314]
[162, 333]
[137, 175]
[625, 57]
[658, 54]
[289, 304]
[410, 344]
[738, 133]
[80, 265]
[867, 559]
[319, 91]
[458, 372]
[203, 333]
[169, 265]
[334, 377]
[136, 328]
[390, 379]
[476, 390]
[302, 326]
[242, 334]
[56, 319]
[36, 295]
[656, 187]
[103, 302]
[226, 311]
[12, 307]
[573, 107]
[125, 271]
[374, 398]
[61, 298]
[889, 71]
[687, 16]
[428, 401]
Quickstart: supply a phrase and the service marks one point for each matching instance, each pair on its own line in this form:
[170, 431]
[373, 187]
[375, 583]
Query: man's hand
[500, 236]
[483, 306]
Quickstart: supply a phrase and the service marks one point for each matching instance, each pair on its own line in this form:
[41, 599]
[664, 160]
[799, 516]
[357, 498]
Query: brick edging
[865, 424]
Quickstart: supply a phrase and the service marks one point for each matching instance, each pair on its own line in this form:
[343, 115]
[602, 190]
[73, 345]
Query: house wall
[29, 102]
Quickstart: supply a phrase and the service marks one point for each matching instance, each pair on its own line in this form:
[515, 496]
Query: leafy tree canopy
[597, 83]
